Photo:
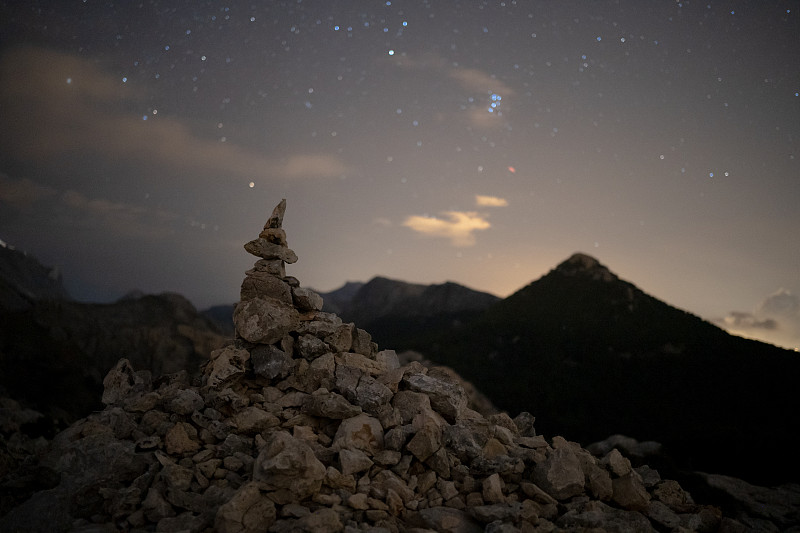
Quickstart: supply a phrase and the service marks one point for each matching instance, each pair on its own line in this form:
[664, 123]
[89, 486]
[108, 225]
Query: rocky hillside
[592, 354]
[303, 424]
[55, 353]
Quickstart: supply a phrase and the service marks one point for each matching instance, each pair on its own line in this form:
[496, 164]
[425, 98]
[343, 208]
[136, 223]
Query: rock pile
[302, 424]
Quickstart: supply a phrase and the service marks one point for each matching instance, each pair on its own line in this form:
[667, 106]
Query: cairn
[302, 424]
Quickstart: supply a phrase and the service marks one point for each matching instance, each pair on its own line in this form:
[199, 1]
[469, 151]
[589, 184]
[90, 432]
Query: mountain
[54, 354]
[591, 354]
[396, 312]
[339, 299]
[23, 280]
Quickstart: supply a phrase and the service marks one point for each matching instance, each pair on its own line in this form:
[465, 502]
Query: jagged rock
[449, 399]
[271, 362]
[361, 432]
[289, 463]
[330, 405]
[248, 511]
[226, 364]
[119, 382]
[264, 321]
[306, 299]
[560, 474]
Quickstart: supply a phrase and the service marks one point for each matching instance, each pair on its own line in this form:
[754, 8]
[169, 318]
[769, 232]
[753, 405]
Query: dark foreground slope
[55, 353]
[594, 355]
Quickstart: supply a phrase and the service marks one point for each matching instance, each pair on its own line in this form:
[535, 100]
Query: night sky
[143, 143]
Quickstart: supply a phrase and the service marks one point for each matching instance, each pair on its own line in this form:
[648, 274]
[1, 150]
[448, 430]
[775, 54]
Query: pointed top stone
[276, 220]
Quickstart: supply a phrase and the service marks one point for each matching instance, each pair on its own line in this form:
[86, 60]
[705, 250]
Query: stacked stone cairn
[302, 424]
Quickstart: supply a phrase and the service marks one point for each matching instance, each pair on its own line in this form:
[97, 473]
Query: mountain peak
[580, 264]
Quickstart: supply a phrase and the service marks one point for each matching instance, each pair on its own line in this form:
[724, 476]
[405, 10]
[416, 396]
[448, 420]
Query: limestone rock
[289, 463]
[560, 474]
[248, 511]
[361, 432]
[264, 321]
[226, 364]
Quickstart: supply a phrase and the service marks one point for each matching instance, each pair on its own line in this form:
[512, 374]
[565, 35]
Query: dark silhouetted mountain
[23, 280]
[590, 355]
[55, 353]
[339, 299]
[396, 311]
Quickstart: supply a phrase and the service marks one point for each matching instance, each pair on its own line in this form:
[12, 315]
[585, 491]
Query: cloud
[743, 321]
[21, 194]
[775, 320]
[458, 226]
[313, 166]
[490, 201]
[479, 81]
[72, 209]
[488, 103]
[56, 104]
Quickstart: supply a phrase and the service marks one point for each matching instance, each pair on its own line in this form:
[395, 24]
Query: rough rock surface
[311, 428]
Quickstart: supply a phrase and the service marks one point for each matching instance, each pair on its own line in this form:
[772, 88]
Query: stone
[320, 521]
[361, 342]
[371, 395]
[448, 399]
[181, 438]
[248, 511]
[448, 520]
[354, 461]
[264, 321]
[662, 515]
[425, 442]
[185, 402]
[261, 247]
[119, 382]
[616, 463]
[330, 405]
[629, 492]
[560, 474]
[289, 463]
[310, 347]
[306, 299]
[361, 432]
[492, 489]
[226, 365]
[271, 362]
[259, 284]
[252, 420]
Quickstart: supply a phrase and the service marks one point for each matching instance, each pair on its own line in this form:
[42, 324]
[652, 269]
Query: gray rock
[271, 362]
[119, 382]
[248, 511]
[448, 520]
[226, 365]
[361, 432]
[261, 247]
[185, 402]
[289, 463]
[264, 321]
[353, 461]
[306, 299]
[259, 284]
[629, 492]
[560, 474]
[599, 515]
[449, 399]
[330, 405]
